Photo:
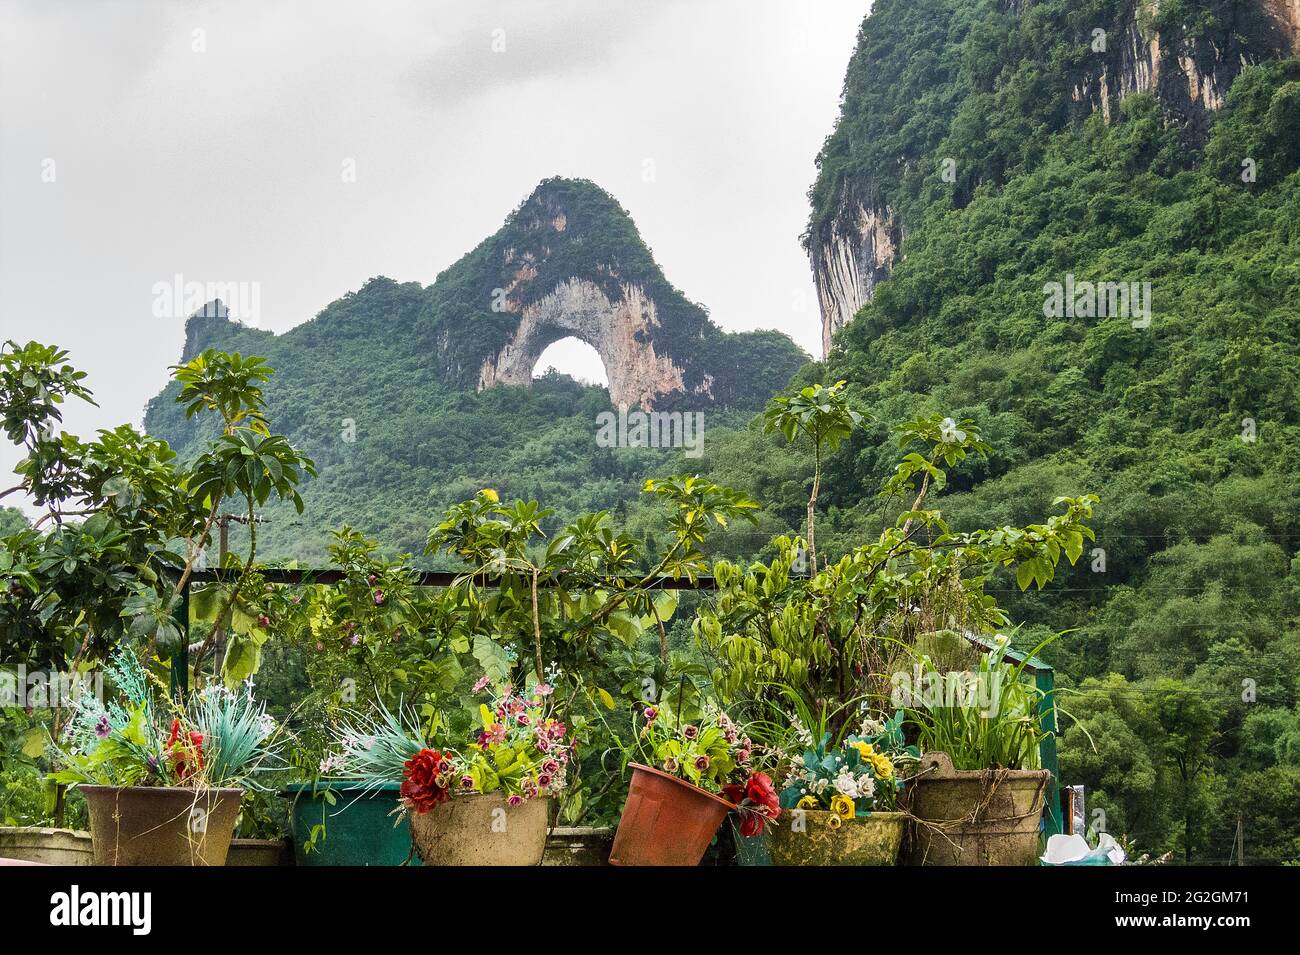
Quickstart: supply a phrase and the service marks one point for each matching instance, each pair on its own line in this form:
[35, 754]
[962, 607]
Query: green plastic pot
[750, 850]
[359, 827]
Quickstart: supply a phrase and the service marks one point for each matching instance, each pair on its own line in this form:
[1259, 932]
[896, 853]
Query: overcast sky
[142, 140]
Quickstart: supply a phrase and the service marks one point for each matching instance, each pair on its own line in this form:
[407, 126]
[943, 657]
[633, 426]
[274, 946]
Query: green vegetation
[1183, 653]
[380, 388]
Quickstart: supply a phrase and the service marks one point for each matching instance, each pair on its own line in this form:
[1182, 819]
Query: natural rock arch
[622, 332]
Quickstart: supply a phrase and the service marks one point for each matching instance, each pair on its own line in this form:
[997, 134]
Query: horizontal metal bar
[426, 578]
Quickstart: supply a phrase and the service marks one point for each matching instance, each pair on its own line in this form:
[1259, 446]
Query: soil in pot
[360, 826]
[819, 837]
[975, 817]
[666, 820]
[482, 829]
[140, 825]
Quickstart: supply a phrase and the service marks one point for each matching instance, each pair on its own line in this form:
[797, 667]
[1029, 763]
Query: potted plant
[371, 635]
[979, 791]
[842, 796]
[489, 805]
[701, 771]
[163, 782]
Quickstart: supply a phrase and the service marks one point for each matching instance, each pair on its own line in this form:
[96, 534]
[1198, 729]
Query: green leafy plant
[821, 414]
[984, 719]
[837, 635]
[221, 737]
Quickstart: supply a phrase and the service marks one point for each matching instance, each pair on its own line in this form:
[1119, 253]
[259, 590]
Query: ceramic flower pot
[666, 820]
[482, 829]
[820, 837]
[161, 825]
[358, 830]
[975, 817]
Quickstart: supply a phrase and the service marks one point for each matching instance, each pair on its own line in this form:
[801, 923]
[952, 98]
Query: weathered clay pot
[48, 846]
[817, 840]
[482, 829]
[163, 825]
[259, 852]
[975, 817]
[666, 820]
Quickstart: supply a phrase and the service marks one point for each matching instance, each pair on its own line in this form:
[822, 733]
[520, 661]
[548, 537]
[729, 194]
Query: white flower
[846, 785]
[868, 787]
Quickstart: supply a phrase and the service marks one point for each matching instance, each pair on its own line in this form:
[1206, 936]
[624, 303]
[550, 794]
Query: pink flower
[544, 780]
[482, 682]
[690, 731]
[544, 689]
[523, 719]
[551, 766]
[701, 763]
[516, 800]
[467, 782]
[543, 744]
[379, 597]
[651, 713]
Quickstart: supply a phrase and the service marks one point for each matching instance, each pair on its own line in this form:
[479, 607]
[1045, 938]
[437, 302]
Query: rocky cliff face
[621, 330]
[569, 263]
[1189, 66]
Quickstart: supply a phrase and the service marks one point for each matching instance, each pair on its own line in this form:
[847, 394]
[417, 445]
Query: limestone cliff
[569, 263]
[888, 147]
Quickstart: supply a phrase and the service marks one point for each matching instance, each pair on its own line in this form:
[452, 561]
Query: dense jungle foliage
[1183, 658]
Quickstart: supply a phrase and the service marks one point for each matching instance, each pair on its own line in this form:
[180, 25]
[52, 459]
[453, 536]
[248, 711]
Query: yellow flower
[807, 802]
[834, 821]
[864, 749]
[883, 766]
[843, 807]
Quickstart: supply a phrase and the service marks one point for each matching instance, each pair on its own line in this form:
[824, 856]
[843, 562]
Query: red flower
[757, 800]
[180, 754]
[424, 778]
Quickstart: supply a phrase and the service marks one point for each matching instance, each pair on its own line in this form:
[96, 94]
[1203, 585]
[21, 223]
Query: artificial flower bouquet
[710, 751]
[457, 799]
[163, 780]
[861, 774]
[521, 752]
[220, 737]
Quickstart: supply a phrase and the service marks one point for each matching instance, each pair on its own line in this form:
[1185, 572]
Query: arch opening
[573, 357]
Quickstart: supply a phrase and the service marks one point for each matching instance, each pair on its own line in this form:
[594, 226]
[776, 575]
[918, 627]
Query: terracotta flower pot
[975, 817]
[482, 829]
[666, 820]
[161, 825]
[811, 837]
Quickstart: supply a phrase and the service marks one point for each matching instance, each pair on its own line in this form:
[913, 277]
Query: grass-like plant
[984, 719]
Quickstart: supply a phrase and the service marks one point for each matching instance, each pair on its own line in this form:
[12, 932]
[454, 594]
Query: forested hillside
[987, 152]
[412, 398]
[1184, 655]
